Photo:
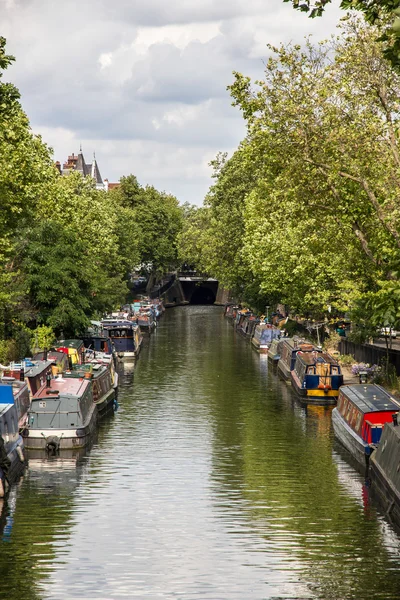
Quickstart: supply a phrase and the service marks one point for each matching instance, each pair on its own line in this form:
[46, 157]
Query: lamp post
[267, 307]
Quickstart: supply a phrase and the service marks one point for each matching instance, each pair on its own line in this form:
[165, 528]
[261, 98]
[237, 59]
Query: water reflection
[211, 482]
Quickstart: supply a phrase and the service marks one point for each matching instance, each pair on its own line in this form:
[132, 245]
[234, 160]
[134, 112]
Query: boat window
[335, 371]
[349, 407]
[358, 422]
[6, 436]
[311, 371]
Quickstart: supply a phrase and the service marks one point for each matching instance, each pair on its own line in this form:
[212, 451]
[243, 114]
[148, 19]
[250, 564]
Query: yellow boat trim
[322, 394]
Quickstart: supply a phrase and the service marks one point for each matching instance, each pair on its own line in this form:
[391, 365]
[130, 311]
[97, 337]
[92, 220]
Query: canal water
[211, 482]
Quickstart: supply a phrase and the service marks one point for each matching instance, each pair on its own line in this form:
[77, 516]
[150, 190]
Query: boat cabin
[123, 334]
[61, 404]
[366, 408]
[9, 429]
[316, 374]
[19, 396]
[59, 361]
[72, 348]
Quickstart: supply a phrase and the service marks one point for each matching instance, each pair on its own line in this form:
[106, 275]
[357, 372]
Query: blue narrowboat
[317, 376]
[125, 335]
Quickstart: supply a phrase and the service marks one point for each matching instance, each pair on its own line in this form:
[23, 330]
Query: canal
[211, 482]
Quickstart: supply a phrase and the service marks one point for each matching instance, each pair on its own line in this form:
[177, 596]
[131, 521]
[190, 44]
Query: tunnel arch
[203, 294]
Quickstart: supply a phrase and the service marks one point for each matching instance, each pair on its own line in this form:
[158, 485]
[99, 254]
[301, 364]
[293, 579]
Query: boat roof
[293, 343]
[69, 343]
[5, 407]
[37, 368]
[68, 387]
[314, 357]
[118, 323]
[16, 385]
[370, 397]
[52, 355]
[6, 394]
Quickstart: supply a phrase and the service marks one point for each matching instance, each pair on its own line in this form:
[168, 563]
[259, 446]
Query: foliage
[158, 220]
[375, 11]
[346, 360]
[306, 211]
[58, 277]
[66, 248]
[43, 337]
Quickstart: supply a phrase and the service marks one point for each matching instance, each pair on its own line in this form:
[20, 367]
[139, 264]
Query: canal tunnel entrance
[199, 292]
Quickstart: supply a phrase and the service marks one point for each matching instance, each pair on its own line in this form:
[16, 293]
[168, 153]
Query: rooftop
[370, 398]
[63, 387]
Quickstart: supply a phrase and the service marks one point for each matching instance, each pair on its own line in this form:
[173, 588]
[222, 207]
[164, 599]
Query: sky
[142, 83]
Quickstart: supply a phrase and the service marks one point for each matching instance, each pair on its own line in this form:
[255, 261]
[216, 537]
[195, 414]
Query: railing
[368, 353]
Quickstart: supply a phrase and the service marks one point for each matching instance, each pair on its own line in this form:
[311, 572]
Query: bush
[346, 360]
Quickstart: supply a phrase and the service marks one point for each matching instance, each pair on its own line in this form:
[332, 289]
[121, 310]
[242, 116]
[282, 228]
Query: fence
[368, 353]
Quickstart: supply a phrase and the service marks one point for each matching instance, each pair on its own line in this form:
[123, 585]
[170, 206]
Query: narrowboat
[34, 372]
[21, 398]
[74, 349]
[274, 350]
[100, 370]
[361, 413]
[263, 336]
[385, 472]
[62, 415]
[12, 459]
[230, 311]
[247, 324]
[317, 377]
[125, 335]
[59, 360]
[288, 350]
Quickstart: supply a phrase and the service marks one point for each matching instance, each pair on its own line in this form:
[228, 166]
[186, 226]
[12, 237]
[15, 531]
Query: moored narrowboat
[12, 459]
[264, 334]
[360, 416]
[34, 372]
[288, 350]
[274, 350]
[21, 398]
[104, 381]
[385, 472]
[317, 377]
[74, 349]
[247, 324]
[125, 335]
[62, 415]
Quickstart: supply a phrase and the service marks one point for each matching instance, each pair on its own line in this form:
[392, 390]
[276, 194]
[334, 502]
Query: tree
[386, 12]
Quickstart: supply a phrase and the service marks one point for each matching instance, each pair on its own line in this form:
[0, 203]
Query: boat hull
[349, 439]
[16, 458]
[261, 348]
[385, 475]
[67, 439]
[283, 370]
[314, 396]
[106, 404]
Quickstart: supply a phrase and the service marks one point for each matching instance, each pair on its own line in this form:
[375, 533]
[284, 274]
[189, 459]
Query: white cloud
[144, 83]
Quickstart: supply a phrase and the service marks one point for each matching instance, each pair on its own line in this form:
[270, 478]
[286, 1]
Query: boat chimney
[22, 373]
[83, 357]
[48, 380]
[70, 365]
[395, 419]
[45, 354]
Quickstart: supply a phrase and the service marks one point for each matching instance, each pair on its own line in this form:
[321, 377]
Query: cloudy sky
[143, 82]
